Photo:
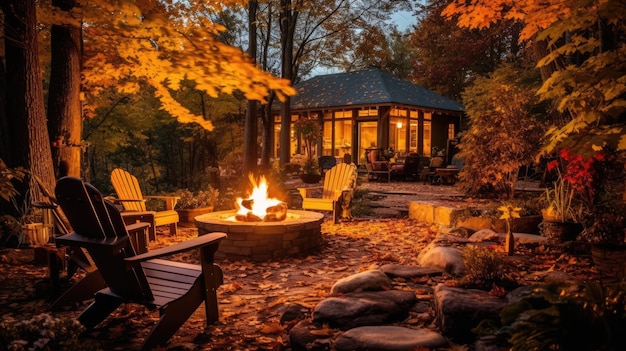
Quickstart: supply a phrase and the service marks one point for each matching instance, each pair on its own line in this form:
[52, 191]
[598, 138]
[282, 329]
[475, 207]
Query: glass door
[368, 132]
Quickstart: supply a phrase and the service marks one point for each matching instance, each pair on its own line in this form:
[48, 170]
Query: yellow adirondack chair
[129, 195]
[339, 184]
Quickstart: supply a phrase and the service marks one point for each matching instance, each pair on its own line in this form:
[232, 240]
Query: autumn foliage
[587, 55]
[130, 43]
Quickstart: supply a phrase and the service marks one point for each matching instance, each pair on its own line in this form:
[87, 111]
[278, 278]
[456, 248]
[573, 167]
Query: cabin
[372, 109]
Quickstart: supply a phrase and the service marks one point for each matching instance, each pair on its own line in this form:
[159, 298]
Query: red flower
[553, 165]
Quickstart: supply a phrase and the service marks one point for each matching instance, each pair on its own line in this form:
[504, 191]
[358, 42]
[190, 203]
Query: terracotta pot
[188, 214]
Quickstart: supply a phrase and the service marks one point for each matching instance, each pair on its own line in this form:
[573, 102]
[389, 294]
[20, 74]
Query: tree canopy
[587, 48]
[163, 44]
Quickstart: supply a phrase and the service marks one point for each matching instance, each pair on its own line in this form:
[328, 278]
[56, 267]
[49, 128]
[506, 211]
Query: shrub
[504, 131]
[482, 264]
[43, 332]
[546, 318]
[201, 198]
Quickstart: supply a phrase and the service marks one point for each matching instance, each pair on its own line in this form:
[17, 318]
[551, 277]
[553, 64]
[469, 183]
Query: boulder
[458, 310]
[448, 259]
[389, 338]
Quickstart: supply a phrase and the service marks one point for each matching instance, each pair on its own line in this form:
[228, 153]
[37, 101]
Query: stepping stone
[372, 280]
[364, 308]
[408, 272]
[388, 338]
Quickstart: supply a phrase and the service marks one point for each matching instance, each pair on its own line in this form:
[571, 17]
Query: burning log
[276, 213]
[258, 207]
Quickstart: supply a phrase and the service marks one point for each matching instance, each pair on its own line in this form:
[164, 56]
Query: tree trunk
[25, 102]
[64, 107]
[268, 133]
[287, 28]
[251, 126]
[4, 123]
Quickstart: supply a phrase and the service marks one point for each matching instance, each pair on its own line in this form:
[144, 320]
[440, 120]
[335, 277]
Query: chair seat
[169, 280]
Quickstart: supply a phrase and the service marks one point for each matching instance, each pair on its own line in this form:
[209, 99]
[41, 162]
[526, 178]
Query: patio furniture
[134, 203]
[175, 289]
[326, 163]
[445, 176]
[77, 256]
[339, 184]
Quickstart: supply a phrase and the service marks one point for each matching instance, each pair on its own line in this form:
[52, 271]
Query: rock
[372, 280]
[458, 310]
[560, 278]
[484, 235]
[293, 312]
[305, 336]
[449, 259]
[522, 238]
[364, 308]
[408, 272]
[444, 239]
[464, 232]
[388, 338]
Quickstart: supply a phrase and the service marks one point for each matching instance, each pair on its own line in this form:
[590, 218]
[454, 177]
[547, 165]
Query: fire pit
[298, 234]
[262, 228]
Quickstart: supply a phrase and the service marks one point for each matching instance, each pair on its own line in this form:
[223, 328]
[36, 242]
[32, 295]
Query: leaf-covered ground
[254, 294]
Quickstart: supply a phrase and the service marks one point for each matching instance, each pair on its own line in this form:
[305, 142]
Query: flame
[259, 199]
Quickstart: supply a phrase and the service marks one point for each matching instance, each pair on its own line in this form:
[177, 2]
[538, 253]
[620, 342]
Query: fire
[258, 207]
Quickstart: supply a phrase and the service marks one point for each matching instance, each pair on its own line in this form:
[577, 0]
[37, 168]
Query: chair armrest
[137, 226]
[204, 240]
[170, 201]
[306, 192]
[114, 244]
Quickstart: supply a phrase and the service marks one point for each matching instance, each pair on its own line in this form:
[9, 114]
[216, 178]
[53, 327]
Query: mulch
[255, 294]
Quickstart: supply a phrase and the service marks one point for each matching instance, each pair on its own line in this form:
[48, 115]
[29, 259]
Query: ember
[258, 207]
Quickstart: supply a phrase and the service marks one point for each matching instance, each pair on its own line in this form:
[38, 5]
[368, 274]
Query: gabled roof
[366, 87]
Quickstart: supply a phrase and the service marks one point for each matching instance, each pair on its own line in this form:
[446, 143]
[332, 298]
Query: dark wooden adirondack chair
[176, 289]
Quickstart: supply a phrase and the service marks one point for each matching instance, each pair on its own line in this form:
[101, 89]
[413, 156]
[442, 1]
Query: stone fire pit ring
[299, 234]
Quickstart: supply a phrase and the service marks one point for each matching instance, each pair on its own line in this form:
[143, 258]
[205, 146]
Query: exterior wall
[438, 129]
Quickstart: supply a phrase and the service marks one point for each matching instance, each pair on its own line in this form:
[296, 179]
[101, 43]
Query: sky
[404, 19]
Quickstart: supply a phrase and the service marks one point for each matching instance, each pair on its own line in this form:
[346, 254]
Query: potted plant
[193, 204]
[309, 130]
[559, 217]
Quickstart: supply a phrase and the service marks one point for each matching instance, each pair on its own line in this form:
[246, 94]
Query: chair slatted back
[412, 164]
[127, 188]
[337, 179]
[92, 218]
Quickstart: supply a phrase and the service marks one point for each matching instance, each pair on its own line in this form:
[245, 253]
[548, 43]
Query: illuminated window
[397, 134]
[426, 141]
[368, 112]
